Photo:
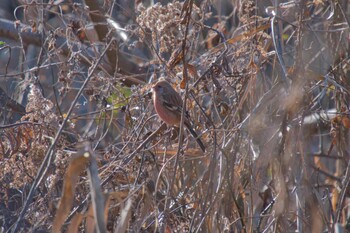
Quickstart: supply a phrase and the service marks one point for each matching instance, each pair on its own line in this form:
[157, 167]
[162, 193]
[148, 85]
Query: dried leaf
[346, 122]
[90, 221]
[76, 166]
[76, 221]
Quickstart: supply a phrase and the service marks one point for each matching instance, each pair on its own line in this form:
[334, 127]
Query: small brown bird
[168, 105]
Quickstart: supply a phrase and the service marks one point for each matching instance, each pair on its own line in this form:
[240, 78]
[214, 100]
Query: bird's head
[161, 87]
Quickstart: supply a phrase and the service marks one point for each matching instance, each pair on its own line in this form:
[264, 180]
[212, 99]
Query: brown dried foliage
[267, 89]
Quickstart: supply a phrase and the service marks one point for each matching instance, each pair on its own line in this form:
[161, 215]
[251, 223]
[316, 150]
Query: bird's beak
[153, 87]
[148, 94]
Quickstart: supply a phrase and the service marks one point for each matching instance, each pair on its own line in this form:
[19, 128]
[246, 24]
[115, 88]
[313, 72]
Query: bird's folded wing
[172, 107]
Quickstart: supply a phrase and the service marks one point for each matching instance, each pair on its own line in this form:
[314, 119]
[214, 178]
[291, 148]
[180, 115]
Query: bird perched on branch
[168, 105]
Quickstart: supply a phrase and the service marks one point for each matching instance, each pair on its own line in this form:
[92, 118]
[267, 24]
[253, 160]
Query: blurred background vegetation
[266, 84]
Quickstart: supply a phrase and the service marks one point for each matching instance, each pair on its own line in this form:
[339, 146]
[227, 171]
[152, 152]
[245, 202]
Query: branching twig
[49, 156]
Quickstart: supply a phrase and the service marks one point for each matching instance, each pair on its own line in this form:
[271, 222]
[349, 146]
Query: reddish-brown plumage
[168, 105]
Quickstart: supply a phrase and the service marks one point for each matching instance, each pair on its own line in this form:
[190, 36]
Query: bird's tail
[195, 135]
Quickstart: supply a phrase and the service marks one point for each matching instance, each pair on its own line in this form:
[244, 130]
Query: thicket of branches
[266, 84]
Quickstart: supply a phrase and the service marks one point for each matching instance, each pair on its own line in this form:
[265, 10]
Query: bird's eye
[159, 86]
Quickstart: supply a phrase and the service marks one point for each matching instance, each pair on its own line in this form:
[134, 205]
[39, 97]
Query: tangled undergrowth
[267, 89]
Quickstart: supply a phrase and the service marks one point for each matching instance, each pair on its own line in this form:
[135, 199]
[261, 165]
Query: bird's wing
[172, 107]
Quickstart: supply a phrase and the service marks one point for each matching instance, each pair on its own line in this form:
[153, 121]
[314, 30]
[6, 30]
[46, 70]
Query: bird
[168, 105]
